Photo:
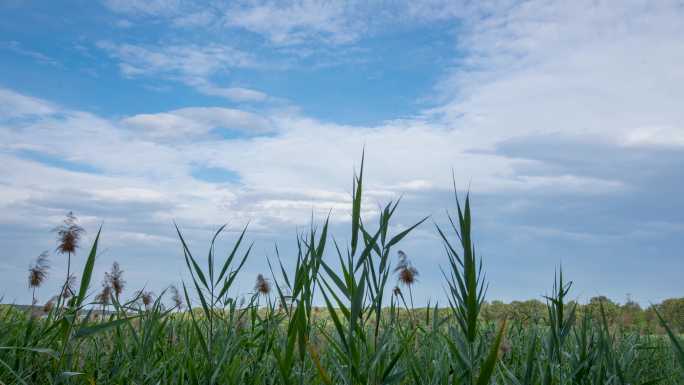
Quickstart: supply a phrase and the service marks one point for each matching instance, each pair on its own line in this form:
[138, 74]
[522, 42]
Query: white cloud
[13, 104]
[127, 194]
[192, 122]
[39, 57]
[305, 165]
[588, 69]
[311, 22]
[237, 94]
[193, 65]
[199, 18]
[145, 7]
[665, 136]
[140, 237]
[182, 14]
[282, 22]
[182, 60]
[297, 21]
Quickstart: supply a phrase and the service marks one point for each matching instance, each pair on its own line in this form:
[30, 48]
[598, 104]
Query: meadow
[335, 318]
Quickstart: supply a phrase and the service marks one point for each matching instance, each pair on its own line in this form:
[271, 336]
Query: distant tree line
[629, 315]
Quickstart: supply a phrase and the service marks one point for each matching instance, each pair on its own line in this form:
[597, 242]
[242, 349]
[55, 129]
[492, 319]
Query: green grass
[364, 334]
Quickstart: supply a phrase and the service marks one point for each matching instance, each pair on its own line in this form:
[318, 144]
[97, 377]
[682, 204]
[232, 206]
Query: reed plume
[176, 297]
[49, 305]
[147, 298]
[406, 273]
[38, 272]
[114, 279]
[68, 237]
[104, 297]
[262, 286]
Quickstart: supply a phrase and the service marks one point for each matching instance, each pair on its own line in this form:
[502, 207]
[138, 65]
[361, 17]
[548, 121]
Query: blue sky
[564, 118]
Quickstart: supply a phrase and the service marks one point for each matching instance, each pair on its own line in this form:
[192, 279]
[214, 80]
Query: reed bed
[336, 318]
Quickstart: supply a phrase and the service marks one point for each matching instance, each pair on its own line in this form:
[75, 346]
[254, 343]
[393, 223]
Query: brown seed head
[115, 279]
[147, 298]
[105, 295]
[407, 273]
[38, 270]
[49, 305]
[262, 285]
[68, 234]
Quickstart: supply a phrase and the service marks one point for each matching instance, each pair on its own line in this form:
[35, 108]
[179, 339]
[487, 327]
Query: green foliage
[628, 316]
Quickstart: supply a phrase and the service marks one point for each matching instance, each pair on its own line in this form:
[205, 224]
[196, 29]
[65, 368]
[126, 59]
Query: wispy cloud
[179, 60]
[197, 122]
[297, 21]
[286, 22]
[184, 14]
[149, 7]
[192, 65]
[583, 69]
[39, 57]
[13, 104]
[238, 94]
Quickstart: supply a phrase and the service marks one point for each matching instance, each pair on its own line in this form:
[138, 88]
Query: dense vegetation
[627, 316]
[366, 333]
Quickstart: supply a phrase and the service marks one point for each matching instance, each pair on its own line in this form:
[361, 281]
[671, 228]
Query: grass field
[365, 332]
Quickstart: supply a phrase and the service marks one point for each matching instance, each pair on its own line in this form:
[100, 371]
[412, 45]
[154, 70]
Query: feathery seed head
[406, 272]
[147, 298]
[38, 270]
[176, 297]
[49, 305]
[262, 285]
[105, 295]
[68, 234]
[115, 279]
